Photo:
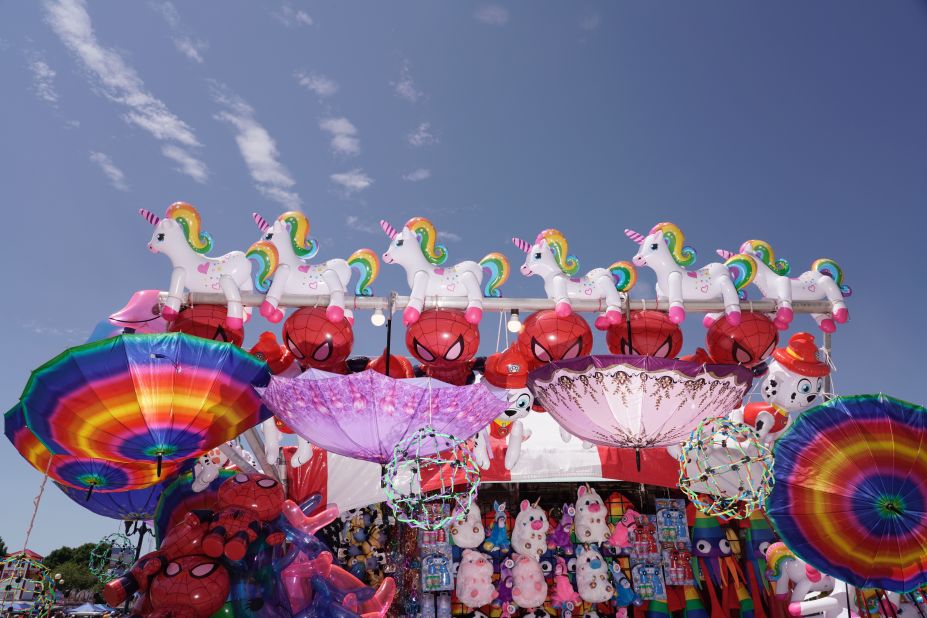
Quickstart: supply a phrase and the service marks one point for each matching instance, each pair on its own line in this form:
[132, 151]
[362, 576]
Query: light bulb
[514, 324]
[378, 319]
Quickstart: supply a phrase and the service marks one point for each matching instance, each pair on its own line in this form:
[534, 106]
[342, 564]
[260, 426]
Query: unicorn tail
[625, 275]
[264, 259]
[743, 271]
[367, 265]
[832, 269]
[496, 271]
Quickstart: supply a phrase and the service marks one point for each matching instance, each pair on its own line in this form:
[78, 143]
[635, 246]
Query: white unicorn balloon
[292, 274]
[415, 249]
[179, 236]
[823, 282]
[791, 573]
[548, 258]
[665, 252]
[838, 604]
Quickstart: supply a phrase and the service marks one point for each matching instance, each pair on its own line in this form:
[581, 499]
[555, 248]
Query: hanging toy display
[111, 557]
[445, 343]
[316, 342]
[725, 469]
[652, 333]
[549, 258]
[451, 460]
[26, 578]
[748, 343]
[208, 322]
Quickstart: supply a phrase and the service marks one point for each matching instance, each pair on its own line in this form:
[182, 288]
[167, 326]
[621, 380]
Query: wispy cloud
[590, 22]
[355, 223]
[353, 181]
[293, 18]
[405, 87]
[187, 163]
[116, 178]
[43, 78]
[257, 147]
[184, 40]
[118, 82]
[417, 175]
[422, 136]
[450, 236]
[316, 82]
[69, 335]
[492, 14]
[344, 135]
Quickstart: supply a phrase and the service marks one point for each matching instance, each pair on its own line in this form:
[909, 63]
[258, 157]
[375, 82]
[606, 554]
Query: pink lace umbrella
[636, 401]
[364, 415]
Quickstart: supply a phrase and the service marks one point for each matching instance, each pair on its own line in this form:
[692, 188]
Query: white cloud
[116, 178]
[421, 136]
[405, 88]
[191, 48]
[293, 18]
[43, 79]
[320, 84]
[450, 236]
[187, 164]
[361, 226]
[257, 147]
[116, 80]
[352, 181]
[590, 22]
[417, 175]
[492, 14]
[344, 135]
[185, 43]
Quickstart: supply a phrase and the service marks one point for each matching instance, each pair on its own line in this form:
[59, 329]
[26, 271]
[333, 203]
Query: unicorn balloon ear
[522, 244]
[389, 229]
[636, 237]
[149, 216]
[261, 222]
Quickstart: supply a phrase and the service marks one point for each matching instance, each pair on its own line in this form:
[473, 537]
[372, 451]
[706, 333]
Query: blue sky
[802, 124]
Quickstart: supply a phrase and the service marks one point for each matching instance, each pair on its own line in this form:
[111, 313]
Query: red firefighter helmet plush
[507, 369]
[801, 356]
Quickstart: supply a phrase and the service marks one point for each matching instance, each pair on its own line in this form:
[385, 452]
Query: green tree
[74, 565]
[3, 550]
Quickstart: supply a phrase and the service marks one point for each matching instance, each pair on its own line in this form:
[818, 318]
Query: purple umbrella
[636, 401]
[364, 415]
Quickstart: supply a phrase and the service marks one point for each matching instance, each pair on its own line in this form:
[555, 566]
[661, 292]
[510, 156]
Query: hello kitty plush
[593, 578]
[590, 523]
[467, 532]
[530, 589]
[529, 536]
[474, 580]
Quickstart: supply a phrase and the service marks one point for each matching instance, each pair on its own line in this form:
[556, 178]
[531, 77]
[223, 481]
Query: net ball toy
[25, 578]
[454, 472]
[725, 469]
[112, 557]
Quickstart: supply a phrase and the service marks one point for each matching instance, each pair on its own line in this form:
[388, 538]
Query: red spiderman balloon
[208, 322]
[545, 337]
[317, 342]
[652, 334]
[189, 587]
[748, 344]
[247, 503]
[445, 343]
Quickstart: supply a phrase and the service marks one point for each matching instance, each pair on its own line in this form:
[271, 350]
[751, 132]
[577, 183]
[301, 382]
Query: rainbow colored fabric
[851, 491]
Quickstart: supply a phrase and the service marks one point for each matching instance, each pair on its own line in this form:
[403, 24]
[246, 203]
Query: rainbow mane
[743, 271]
[776, 556]
[559, 247]
[498, 269]
[762, 250]
[675, 241]
[365, 262]
[832, 269]
[298, 225]
[427, 236]
[264, 256]
[625, 275]
[189, 219]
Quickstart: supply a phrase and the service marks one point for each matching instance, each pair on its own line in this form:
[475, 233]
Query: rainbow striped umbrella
[851, 491]
[84, 473]
[132, 505]
[144, 398]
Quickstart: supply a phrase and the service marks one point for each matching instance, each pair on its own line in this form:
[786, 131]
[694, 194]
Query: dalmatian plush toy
[506, 377]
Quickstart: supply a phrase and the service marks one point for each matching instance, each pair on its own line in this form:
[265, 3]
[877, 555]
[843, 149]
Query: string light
[378, 319]
[514, 324]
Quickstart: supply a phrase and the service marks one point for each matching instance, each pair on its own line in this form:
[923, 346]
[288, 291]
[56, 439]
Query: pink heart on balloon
[203, 267]
[450, 287]
[313, 285]
[303, 268]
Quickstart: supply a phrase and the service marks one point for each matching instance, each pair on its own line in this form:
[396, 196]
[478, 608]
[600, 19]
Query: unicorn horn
[726, 255]
[638, 238]
[262, 223]
[389, 229]
[521, 244]
[149, 216]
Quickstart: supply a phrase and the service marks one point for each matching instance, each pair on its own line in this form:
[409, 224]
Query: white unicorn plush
[823, 281]
[467, 532]
[292, 274]
[178, 236]
[529, 535]
[835, 605]
[593, 578]
[664, 251]
[414, 248]
[785, 568]
[590, 524]
[548, 258]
